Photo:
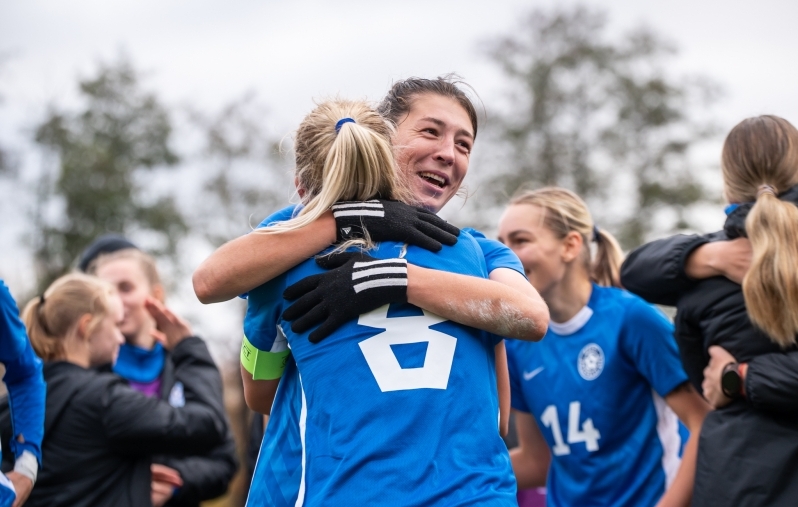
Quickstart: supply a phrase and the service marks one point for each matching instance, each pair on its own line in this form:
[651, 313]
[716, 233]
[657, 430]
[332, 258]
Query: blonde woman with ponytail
[387, 358]
[736, 296]
[597, 400]
[100, 434]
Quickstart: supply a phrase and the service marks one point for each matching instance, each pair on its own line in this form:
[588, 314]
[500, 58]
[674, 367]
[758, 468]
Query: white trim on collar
[573, 324]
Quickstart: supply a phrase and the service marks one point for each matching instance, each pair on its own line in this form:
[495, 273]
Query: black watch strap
[730, 381]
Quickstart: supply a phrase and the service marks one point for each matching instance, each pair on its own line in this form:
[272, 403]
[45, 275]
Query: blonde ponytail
[566, 212]
[343, 160]
[771, 285]
[606, 266]
[760, 159]
[50, 317]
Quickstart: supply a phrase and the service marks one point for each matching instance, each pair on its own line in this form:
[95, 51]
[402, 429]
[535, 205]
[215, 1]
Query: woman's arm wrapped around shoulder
[656, 270]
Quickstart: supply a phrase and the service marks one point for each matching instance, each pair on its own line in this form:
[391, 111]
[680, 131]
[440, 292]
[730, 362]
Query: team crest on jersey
[591, 361]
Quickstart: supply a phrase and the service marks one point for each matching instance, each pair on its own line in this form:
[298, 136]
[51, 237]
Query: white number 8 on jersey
[382, 362]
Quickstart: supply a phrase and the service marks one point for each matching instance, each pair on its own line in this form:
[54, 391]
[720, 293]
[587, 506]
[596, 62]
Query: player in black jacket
[748, 451]
[100, 435]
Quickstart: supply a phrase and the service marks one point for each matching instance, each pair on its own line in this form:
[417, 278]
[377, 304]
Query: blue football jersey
[396, 408]
[595, 386]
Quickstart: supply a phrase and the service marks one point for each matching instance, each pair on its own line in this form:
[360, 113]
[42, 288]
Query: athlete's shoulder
[636, 312]
[497, 254]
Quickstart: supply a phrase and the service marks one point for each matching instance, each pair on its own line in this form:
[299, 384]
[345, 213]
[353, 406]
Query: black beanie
[106, 243]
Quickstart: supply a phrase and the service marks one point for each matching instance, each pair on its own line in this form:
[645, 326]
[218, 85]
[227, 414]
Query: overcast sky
[288, 52]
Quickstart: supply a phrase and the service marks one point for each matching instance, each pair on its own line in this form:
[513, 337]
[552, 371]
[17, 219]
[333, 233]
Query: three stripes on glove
[379, 273]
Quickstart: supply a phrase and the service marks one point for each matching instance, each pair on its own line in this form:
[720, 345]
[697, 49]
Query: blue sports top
[382, 403]
[23, 378]
[595, 386]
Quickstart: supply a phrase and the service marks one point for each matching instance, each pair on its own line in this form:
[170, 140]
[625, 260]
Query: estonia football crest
[591, 361]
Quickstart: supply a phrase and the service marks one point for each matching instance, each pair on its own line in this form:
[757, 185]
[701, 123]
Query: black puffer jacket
[748, 450]
[100, 434]
[205, 475]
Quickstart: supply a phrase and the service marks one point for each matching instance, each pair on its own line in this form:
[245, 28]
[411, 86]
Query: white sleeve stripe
[380, 282]
[378, 271]
[367, 204]
[367, 264]
[358, 213]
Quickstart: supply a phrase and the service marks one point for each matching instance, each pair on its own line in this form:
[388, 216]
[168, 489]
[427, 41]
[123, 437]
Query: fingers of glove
[326, 328]
[303, 305]
[335, 260]
[316, 314]
[420, 239]
[431, 218]
[303, 286]
[435, 233]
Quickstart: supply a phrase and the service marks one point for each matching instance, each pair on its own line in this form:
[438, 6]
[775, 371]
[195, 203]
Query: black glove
[393, 221]
[356, 283]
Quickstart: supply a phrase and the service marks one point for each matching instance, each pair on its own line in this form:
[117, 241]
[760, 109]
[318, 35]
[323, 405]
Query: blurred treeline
[605, 116]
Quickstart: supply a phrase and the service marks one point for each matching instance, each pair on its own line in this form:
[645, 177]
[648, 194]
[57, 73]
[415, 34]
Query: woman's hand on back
[170, 329]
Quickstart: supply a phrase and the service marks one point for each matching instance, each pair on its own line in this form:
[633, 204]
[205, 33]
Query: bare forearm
[503, 388]
[681, 490]
[259, 394]
[479, 303]
[702, 262]
[528, 470]
[691, 409]
[247, 262]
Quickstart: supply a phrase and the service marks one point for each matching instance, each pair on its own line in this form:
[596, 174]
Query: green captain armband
[263, 365]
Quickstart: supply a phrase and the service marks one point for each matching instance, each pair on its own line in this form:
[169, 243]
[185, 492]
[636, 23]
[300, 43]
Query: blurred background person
[26, 396]
[596, 401]
[100, 434]
[149, 368]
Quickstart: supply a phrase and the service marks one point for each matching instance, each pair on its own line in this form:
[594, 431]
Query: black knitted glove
[393, 221]
[356, 283]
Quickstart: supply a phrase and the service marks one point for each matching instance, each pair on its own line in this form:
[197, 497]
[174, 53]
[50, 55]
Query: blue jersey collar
[140, 365]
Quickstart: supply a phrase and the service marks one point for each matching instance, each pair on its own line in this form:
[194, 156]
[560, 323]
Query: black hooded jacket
[100, 434]
[748, 450]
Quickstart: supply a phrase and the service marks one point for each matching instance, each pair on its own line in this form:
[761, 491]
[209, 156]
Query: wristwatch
[731, 382]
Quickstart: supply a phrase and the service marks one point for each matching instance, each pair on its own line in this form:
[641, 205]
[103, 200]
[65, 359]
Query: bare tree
[601, 117]
[100, 158]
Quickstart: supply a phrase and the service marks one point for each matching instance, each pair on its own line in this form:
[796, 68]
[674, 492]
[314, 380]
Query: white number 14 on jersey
[588, 434]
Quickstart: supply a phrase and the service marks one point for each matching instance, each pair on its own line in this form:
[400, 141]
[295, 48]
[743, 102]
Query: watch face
[730, 383]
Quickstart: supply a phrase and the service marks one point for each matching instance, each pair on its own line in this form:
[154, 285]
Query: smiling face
[543, 255]
[131, 282]
[106, 338]
[433, 147]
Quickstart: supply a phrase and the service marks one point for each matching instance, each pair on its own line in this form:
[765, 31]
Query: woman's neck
[569, 296]
[76, 352]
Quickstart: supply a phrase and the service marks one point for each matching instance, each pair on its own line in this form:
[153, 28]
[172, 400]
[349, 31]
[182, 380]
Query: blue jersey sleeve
[264, 350]
[12, 331]
[647, 339]
[264, 307]
[496, 254]
[282, 215]
[517, 400]
[23, 379]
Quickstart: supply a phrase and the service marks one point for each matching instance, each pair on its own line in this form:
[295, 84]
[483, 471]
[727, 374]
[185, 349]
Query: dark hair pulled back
[400, 97]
